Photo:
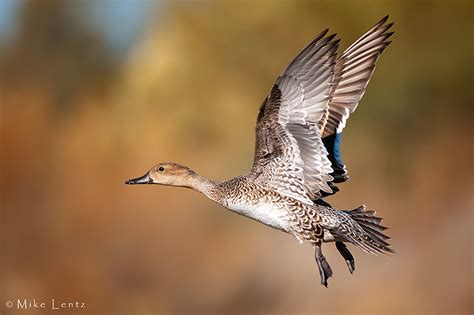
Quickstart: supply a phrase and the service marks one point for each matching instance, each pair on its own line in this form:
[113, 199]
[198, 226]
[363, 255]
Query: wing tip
[331, 37]
[381, 24]
[320, 36]
[384, 19]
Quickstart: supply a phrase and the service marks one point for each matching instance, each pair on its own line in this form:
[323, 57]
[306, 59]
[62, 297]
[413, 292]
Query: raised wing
[290, 156]
[352, 74]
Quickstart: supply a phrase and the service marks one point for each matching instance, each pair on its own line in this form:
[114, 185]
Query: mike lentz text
[53, 304]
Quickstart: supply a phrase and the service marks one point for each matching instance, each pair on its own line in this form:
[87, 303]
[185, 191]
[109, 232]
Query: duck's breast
[267, 213]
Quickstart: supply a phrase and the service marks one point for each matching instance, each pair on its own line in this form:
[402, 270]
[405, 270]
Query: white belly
[265, 213]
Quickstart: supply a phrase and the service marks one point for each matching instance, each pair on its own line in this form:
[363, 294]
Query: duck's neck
[203, 185]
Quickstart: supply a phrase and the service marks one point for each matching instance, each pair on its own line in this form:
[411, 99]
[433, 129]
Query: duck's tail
[367, 233]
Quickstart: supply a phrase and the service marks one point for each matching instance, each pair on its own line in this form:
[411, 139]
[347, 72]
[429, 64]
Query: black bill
[145, 179]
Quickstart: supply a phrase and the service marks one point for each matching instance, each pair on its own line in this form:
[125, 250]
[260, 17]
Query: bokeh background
[95, 92]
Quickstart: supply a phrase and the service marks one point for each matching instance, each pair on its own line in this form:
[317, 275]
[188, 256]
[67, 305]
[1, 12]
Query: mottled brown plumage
[297, 158]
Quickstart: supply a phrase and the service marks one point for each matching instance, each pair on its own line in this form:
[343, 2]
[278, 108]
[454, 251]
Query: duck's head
[170, 174]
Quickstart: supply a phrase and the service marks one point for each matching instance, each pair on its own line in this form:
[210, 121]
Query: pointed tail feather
[370, 236]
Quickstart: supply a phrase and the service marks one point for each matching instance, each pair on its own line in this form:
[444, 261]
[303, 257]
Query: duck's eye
[161, 169]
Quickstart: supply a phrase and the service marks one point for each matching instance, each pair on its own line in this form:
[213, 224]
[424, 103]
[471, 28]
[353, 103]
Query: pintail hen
[297, 159]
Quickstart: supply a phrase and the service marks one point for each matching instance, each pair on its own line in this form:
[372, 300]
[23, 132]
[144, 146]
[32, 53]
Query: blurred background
[95, 92]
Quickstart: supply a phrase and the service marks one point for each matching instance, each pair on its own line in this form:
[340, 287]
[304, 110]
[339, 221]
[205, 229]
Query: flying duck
[297, 160]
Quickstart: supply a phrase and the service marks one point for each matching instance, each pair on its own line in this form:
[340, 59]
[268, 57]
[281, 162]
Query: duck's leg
[324, 269]
[342, 248]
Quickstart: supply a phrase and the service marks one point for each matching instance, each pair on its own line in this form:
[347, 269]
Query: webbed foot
[325, 270]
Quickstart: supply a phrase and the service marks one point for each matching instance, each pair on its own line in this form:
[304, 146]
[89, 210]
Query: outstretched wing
[290, 156]
[352, 74]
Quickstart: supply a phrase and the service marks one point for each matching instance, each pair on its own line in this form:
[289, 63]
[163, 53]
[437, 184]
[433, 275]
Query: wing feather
[290, 156]
[297, 148]
[352, 74]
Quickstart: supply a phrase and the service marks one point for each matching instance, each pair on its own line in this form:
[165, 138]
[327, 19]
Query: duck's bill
[145, 179]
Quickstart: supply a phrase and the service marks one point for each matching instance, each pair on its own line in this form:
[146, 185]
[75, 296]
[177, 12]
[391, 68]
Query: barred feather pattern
[290, 156]
[360, 227]
[352, 73]
[306, 222]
